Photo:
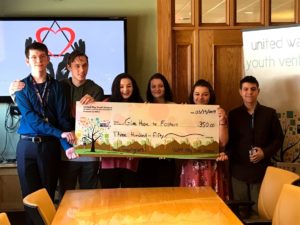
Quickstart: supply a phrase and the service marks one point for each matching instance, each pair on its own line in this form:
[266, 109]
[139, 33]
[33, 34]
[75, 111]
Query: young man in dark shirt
[255, 135]
[79, 88]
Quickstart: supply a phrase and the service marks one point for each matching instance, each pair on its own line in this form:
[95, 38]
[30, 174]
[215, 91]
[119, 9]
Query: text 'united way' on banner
[147, 130]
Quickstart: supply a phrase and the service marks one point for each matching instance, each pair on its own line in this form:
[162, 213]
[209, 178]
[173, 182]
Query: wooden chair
[40, 207]
[287, 207]
[4, 219]
[271, 186]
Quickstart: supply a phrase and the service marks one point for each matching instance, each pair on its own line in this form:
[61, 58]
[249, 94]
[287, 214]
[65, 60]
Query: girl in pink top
[121, 172]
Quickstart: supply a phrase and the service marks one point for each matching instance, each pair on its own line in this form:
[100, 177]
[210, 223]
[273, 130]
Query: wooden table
[131, 206]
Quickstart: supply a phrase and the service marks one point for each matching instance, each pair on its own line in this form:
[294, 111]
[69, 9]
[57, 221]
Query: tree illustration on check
[92, 131]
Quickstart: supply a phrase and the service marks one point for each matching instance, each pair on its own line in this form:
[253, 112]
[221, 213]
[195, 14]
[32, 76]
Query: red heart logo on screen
[67, 29]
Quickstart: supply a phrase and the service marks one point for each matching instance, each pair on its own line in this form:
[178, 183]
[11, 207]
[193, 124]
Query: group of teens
[133, 172]
[39, 89]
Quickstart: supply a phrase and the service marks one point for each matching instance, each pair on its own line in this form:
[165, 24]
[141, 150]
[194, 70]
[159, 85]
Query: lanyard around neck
[42, 97]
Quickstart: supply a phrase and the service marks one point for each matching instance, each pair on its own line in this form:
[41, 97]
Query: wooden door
[184, 64]
[213, 55]
[188, 52]
[221, 63]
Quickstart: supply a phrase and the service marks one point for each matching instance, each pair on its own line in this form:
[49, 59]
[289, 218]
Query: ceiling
[214, 11]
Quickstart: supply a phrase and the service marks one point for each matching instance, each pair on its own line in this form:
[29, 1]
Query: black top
[262, 129]
[74, 93]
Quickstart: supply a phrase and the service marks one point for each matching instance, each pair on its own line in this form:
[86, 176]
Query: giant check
[147, 130]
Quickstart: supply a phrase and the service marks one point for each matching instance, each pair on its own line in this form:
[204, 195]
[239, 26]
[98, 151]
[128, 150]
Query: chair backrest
[40, 207]
[287, 207]
[271, 186]
[4, 219]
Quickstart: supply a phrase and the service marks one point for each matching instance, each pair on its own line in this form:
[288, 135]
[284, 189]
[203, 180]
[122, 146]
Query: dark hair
[116, 93]
[248, 79]
[75, 54]
[36, 46]
[203, 83]
[168, 93]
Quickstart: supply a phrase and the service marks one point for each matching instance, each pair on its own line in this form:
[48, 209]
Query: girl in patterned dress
[196, 173]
